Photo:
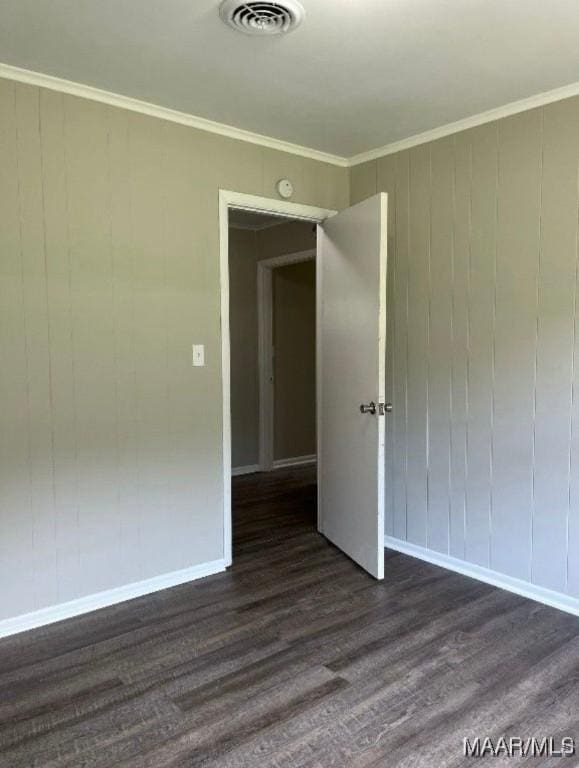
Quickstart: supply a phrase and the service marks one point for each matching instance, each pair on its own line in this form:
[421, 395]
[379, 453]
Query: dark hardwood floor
[295, 657]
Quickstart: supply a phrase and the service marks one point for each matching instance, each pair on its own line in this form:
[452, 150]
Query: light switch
[198, 354]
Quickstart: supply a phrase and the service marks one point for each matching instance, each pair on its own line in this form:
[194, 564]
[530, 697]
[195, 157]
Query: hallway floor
[293, 658]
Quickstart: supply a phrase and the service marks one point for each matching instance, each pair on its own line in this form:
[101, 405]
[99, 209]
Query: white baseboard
[105, 599]
[518, 586]
[248, 469]
[295, 461]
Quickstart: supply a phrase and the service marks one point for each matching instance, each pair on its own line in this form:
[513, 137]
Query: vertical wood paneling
[182, 219]
[148, 193]
[486, 344]
[481, 301]
[62, 383]
[387, 183]
[439, 353]
[555, 343]
[93, 340]
[573, 517]
[16, 541]
[37, 340]
[417, 343]
[515, 342]
[123, 312]
[400, 413]
[366, 179]
[459, 341]
[181, 214]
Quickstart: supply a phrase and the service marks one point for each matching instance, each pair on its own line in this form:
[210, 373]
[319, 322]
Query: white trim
[320, 234]
[246, 469]
[265, 344]
[9, 72]
[513, 108]
[105, 599]
[532, 591]
[228, 199]
[29, 77]
[274, 207]
[295, 461]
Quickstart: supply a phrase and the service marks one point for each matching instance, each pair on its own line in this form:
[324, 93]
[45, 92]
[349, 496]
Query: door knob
[371, 407]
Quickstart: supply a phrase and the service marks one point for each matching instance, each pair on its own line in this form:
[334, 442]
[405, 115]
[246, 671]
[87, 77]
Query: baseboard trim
[82, 605]
[295, 461]
[519, 587]
[247, 469]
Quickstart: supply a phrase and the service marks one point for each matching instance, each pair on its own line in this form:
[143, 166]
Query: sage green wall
[110, 441]
[294, 339]
[483, 443]
[243, 257]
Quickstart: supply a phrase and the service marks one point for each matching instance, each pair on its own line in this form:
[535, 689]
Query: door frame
[229, 199]
[265, 270]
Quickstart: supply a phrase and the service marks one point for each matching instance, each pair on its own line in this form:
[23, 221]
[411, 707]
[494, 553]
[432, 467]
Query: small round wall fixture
[263, 18]
[285, 188]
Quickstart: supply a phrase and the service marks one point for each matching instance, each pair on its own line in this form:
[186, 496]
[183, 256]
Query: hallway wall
[293, 426]
[243, 257]
[294, 338]
[483, 443]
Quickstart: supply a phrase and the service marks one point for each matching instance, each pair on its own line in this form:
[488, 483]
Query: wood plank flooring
[293, 658]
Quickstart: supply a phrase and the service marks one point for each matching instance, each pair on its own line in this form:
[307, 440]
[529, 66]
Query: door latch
[372, 408]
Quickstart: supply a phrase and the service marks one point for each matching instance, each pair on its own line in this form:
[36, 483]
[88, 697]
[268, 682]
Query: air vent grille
[262, 18]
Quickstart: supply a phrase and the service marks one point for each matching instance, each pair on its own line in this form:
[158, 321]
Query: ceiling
[240, 219]
[356, 75]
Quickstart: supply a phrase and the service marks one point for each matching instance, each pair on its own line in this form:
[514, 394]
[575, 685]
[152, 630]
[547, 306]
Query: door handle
[372, 409]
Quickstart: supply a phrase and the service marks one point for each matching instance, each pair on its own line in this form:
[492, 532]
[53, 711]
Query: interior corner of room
[477, 461]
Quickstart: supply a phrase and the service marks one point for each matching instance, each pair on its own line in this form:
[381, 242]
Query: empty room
[289, 383]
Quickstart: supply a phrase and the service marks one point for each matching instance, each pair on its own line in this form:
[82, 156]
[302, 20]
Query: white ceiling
[356, 75]
[240, 219]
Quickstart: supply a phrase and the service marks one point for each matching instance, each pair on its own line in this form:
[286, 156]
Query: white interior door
[351, 360]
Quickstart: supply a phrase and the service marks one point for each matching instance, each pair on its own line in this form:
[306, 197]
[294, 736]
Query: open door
[351, 381]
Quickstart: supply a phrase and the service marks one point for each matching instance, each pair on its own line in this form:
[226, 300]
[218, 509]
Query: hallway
[294, 658]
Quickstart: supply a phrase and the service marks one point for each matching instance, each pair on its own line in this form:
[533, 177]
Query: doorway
[351, 268]
[233, 204]
[286, 309]
[272, 311]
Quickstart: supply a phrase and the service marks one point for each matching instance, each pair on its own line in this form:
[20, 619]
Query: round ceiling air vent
[263, 17]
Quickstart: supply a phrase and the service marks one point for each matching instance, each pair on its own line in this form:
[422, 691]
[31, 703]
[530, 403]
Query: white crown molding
[29, 77]
[10, 72]
[95, 602]
[513, 108]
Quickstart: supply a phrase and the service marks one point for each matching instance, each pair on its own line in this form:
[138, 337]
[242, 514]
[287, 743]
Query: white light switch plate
[198, 355]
